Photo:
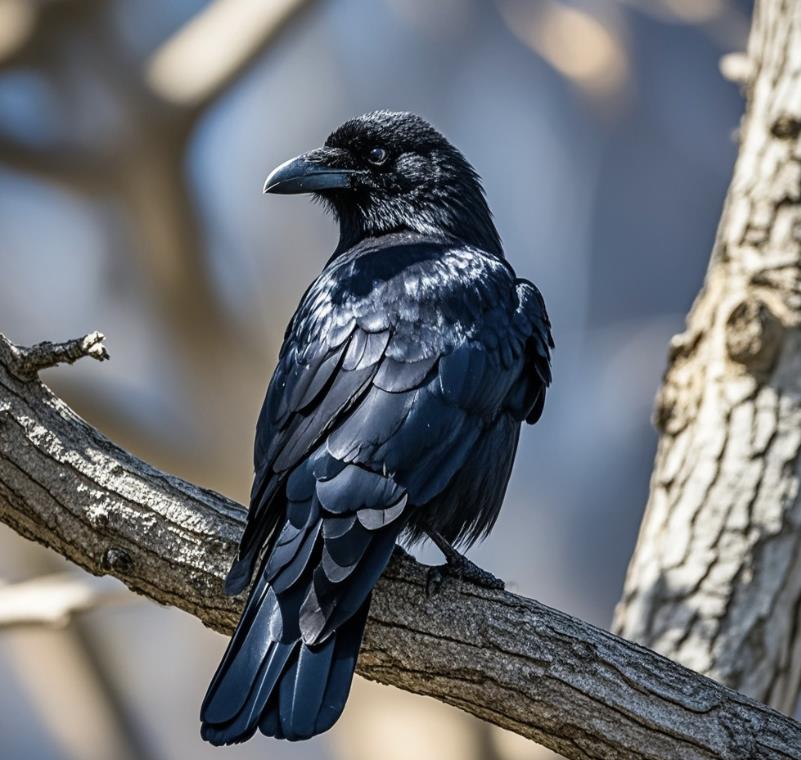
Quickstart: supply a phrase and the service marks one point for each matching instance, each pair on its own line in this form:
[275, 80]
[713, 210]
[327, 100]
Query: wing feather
[395, 373]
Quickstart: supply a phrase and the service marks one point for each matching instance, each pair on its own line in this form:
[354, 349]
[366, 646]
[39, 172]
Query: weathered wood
[507, 659]
[715, 582]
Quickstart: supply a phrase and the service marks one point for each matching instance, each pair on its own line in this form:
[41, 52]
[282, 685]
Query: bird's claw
[473, 573]
[463, 569]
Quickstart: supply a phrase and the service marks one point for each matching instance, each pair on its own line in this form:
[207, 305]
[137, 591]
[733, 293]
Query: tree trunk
[715, 580]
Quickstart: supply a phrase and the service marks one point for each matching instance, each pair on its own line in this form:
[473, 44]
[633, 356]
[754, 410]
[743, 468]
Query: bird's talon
[463, 569]
[473, 573]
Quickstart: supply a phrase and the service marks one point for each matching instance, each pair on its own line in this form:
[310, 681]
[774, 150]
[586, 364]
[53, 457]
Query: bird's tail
[270, 680]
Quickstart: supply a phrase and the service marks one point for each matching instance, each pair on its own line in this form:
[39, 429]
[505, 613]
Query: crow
[393, 414]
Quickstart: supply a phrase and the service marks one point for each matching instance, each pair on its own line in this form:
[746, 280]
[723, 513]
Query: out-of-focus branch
[17, 23]
[506, 659]
[63, 164]
[195, 65]
[52, 600]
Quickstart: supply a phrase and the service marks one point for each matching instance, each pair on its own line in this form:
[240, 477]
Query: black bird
[394, 413]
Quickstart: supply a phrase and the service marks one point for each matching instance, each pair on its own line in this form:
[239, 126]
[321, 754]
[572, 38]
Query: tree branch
[67, 164]
[509, 660]
[192, 68]
[27, 361]
[52, 600]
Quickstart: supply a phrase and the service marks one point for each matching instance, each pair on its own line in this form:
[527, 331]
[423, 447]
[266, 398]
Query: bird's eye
[377, 156]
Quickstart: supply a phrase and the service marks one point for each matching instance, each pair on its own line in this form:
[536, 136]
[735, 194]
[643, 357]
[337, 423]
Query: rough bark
[509, 660]
[715, 581]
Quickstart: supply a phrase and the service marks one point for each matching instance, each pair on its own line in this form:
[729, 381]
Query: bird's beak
[309, 173]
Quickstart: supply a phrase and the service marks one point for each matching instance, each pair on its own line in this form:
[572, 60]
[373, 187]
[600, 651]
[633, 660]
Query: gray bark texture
[509, 660]
[715, 581]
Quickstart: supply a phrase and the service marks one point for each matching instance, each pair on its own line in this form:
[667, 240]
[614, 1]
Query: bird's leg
[458, 565]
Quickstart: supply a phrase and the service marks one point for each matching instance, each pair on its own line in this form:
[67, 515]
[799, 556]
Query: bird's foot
[462, 568]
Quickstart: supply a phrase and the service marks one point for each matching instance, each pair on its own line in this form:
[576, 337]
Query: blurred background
[134, 141]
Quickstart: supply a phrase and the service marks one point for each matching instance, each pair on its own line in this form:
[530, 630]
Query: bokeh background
[134, 141]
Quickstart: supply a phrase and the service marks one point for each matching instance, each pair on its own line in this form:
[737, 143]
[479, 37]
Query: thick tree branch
[507, 659]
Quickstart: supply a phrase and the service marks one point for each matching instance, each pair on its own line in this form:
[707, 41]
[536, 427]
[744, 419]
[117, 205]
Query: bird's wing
[532, 324]
[396, 385]
[376, 403]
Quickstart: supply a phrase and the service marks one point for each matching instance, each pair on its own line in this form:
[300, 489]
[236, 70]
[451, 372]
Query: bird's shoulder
[427, 291]
[395, 308]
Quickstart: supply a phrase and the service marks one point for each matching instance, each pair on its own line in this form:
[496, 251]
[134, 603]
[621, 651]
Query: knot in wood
[118, 560]
[786, 127]
[753, 335]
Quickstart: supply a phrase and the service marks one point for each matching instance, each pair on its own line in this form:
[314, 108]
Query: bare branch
[52, 600]
[17, 23]
[507, 659]
[27, 361]
[67, 164]
[193, 67]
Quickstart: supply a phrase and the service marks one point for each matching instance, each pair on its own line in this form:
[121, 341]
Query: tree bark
[509, 660]
[715, 581]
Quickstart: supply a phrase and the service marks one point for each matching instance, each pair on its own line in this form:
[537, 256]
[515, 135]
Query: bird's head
[391, 172]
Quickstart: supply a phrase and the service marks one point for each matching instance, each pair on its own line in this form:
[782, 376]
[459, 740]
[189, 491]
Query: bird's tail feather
[316, 684]
[282, 687]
